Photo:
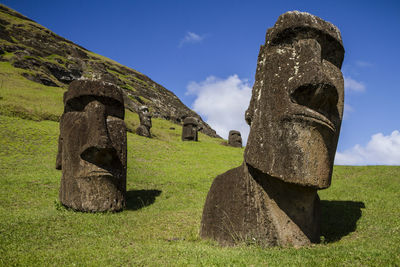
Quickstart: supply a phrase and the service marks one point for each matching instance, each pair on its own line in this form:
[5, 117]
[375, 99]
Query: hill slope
[43, 57]
[167, 184]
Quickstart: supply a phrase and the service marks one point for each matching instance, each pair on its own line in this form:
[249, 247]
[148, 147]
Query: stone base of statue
[143, 131]
[245, 205]
[93, 194]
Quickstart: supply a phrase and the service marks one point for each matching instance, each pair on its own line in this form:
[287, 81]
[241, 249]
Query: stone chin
[147, 123]
[300, 151]
[100, 193]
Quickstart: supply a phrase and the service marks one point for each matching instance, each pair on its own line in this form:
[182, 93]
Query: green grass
[20, 97]
[167, 184]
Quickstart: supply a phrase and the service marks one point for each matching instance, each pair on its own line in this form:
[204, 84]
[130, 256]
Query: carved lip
[104, 174]
[316, 117]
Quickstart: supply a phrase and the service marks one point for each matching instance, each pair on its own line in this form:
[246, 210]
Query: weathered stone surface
[235, 138]
[190, 129]
[92, 149]
[245, 205]
[145, 122]
[40, 79]
[294, 115]
[63, 75]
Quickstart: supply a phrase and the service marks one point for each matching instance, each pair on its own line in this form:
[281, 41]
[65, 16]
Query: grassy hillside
[168, 181]
[26, 99]
[167, 184]
[30, 51]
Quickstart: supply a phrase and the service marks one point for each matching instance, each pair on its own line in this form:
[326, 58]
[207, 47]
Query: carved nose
[321, 97]
[98, 149]
[102, 157]
[317, 91]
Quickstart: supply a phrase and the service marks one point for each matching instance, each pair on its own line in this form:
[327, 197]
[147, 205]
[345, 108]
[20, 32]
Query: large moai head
[190, 129]
[296, 107]
[92, 147]
[235, 139]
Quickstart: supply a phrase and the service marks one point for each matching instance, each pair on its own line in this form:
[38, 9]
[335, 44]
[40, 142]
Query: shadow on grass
[137, 199]
[339, 218]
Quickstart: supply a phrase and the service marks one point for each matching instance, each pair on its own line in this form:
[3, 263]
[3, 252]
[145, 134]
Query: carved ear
[59, 154]
[248, 116]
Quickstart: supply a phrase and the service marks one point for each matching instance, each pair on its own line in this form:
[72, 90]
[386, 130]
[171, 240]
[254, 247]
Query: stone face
[190, 129]
[92, 152]
[235, 139]
[145, 122]
[294, 115]
[299, 91]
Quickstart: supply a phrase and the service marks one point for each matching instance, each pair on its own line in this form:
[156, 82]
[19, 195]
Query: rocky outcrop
[52, 60]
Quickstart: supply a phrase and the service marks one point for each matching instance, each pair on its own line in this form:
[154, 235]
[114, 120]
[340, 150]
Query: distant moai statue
[235, 139]
[92, 151]
[190, 129]
[145, 122]
[295, 115]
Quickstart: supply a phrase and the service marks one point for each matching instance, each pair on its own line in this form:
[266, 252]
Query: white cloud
[353, 85]
[222, 103]
[191, 38]
[363, 64]
[347, 111]
[380, 150]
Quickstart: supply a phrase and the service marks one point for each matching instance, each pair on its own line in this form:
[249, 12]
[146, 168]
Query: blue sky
[206, 53]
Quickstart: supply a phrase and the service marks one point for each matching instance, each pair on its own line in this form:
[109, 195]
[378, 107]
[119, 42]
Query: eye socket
[331, 49]
[116, 110]
[113, 107]
[77, 104]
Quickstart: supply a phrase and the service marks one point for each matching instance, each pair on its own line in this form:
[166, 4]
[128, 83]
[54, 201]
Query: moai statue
[190, 129]
[294, 115]
[145, 122]
[92, 147]
[235, 139]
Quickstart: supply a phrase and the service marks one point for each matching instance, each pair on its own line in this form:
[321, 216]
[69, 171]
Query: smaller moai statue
[235, 139]
[190, 129]
[145, 122]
